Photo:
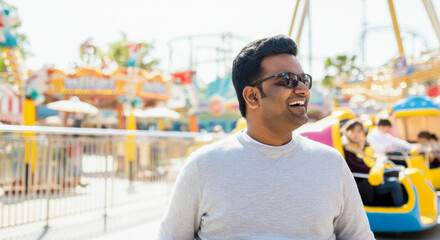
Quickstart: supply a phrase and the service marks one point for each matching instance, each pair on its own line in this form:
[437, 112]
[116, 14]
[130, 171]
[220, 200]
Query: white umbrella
[136, 112]
[73, 105]
[161, 112]
[156, 112]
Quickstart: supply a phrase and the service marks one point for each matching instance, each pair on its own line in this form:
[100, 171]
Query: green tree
[118, 52]
[339, 66]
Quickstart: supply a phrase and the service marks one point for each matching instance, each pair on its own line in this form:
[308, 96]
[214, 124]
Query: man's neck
[268, 136]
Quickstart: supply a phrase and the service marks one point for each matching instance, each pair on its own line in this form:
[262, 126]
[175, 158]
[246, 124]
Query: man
[381, 141]
[265, 182]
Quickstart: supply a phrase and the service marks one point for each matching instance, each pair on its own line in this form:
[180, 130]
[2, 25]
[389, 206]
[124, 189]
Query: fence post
[49, 183]
[130, 150]
[106, 147]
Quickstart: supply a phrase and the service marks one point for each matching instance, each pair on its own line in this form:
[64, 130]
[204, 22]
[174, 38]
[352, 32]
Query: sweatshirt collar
[245, 139]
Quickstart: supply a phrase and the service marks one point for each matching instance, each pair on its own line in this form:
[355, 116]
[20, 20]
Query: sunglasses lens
[291, 80]
[307, 80]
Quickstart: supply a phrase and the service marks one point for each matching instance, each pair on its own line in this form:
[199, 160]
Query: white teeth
[296, 102]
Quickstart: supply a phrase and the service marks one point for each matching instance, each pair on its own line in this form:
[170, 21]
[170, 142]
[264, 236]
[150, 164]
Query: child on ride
[428, 143]
[382, 142]
[353, 141]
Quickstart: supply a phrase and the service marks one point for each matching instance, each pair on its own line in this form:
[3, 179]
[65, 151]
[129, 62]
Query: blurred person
[168, 127]
[353, 143]
[381, 141]
[428, 143]
[183, 128]
[266, 182]
[217, 129]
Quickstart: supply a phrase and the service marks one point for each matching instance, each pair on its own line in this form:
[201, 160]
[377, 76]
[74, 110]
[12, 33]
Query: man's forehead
[280, 57]
[281, 62]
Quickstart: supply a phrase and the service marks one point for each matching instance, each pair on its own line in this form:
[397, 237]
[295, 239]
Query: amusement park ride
[420, 210]
[411, 115]
[392, 84]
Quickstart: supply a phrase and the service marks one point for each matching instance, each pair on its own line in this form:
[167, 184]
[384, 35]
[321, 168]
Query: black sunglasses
[291, 79]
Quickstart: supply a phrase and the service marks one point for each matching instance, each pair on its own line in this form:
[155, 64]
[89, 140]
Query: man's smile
[298, 105]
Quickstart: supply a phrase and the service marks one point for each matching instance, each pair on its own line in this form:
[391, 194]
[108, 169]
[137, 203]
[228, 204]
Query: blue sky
[56, 28]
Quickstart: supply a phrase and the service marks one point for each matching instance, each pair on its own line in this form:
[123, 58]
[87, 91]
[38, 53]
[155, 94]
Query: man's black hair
[384, 122]
[246, 67]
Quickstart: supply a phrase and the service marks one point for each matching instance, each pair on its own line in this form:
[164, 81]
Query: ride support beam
[396, 28]
[121, 116]
[303, 17]
[293, 18]
[432, 17]
[29, 118]
[193, 124]
[130, 148]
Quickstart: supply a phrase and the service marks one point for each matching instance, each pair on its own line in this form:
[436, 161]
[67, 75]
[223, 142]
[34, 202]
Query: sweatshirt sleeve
[182, 219]
[352, 222]
[401, 143]
[375, 143]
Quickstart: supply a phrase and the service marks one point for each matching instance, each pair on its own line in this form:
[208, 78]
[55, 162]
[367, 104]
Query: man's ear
[252, 97]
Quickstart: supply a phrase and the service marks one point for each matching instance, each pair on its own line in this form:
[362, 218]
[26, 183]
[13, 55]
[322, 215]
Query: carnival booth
[214, 106]
[110, 93]
[219, 105]
[107, 92]
[414, 114]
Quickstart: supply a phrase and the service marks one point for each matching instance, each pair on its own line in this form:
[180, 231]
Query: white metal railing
[50, 172]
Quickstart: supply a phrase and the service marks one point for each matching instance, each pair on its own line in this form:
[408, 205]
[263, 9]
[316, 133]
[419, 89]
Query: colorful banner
[88, 81]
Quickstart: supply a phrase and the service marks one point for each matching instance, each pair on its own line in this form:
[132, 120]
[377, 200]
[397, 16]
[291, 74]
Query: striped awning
[13, 119]
[11, 107]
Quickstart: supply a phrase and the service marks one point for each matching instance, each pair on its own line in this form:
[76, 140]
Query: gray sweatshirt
[239, 188]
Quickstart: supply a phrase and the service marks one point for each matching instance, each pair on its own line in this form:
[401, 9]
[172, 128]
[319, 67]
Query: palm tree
[340, 66]
[119, 52]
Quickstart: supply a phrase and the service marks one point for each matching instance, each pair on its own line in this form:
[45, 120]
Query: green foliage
[2, 61]
[23, 45]
[339, 66]
[327, 81]
[119, 53]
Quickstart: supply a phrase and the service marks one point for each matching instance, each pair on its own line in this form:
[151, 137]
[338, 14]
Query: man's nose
[301, 89]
